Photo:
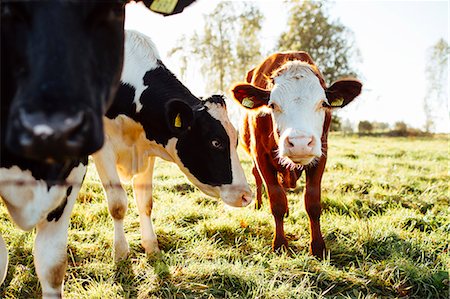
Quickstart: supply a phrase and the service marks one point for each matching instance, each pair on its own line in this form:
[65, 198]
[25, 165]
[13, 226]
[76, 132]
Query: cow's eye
[216, 144]
[274, 107]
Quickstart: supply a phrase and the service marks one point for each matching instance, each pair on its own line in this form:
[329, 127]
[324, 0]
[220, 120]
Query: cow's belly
[29, 200]
[131, 147]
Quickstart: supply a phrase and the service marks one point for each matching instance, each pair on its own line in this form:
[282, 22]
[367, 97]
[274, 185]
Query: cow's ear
[179, 116]
[342, 92]
[249, 96]
[167, 7]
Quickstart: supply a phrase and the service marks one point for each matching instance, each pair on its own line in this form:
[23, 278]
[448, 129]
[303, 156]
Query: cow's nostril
[289, 143]
[312, 142]
[246, 200]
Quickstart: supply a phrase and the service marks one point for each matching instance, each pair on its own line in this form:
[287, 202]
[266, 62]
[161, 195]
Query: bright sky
[393, 38]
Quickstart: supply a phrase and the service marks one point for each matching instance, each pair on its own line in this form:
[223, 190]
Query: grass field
[386, 223]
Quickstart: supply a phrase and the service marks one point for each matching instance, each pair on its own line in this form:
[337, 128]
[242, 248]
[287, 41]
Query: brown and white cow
[285, 130]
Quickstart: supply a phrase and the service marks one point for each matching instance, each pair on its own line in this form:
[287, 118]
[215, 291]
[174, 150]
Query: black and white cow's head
[61, 63]
[203, 144]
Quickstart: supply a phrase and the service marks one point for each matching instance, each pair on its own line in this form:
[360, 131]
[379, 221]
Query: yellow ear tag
[164, 6]
[337, 102]
[177, 123]
[247, 102]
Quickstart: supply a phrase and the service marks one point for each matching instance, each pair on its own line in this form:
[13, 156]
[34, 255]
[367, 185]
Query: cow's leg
[50, 249]
[258, 182]
[143, 187]
[277, 199]
[115, 195]
[314, 208]
[3, 260]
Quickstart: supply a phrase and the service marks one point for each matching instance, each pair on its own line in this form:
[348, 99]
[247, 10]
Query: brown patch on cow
[56, 274]
[118, 211]
[148, 207]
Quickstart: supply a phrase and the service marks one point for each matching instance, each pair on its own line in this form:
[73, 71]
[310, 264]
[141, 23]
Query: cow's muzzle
[54, 138]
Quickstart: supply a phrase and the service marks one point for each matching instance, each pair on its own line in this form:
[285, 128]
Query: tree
[380, 126]
[437, 79]
[330, 44]
[335, 123]
[227, 48]
[365, 126]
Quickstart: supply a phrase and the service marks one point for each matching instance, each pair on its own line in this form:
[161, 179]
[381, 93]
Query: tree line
[376, 128]
[230, 45]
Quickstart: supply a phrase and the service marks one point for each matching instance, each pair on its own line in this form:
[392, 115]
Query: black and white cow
[60, 67]
[197, 136]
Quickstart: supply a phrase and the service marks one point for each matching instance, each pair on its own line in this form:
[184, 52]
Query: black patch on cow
[57, 213]
[123, 103]
[208, 164]
[216, 99]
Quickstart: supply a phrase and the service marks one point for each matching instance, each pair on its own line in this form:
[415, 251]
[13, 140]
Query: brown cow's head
[298, 102]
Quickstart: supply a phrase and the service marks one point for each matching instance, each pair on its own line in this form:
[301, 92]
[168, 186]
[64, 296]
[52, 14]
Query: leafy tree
[336, 123]
[380, 126]
[401, 127]
[330, 44]
[248, 53]
[365, 126]
[437, 79]
[227, 48]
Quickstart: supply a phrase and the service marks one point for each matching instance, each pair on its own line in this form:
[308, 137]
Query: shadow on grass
[399, 256]
[216, 285]
[123, 275]
[20, 265]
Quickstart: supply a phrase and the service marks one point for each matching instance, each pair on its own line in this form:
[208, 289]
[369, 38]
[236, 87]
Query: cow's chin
[293, 162]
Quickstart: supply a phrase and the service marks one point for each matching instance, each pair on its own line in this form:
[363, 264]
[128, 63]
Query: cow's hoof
[280, 245]
[317, 249]
[121, 251]
[151, 246]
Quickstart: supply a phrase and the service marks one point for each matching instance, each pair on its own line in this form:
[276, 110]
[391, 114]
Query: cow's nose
[301, 143]
[53, 137]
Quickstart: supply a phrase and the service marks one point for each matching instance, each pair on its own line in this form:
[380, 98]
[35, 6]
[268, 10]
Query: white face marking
[296, 106]
[140, 57]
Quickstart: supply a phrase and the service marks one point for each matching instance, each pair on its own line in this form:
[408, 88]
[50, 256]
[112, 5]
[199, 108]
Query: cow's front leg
[143, 187]
[277, 199]
[258, 183]
[313, 207]
[50, 250]
[3, 260]
[116, 197]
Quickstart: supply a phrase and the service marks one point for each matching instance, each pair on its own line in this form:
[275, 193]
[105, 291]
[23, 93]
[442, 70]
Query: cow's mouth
[293, 162]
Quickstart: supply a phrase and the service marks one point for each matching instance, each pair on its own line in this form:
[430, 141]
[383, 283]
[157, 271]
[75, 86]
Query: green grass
[386, 223]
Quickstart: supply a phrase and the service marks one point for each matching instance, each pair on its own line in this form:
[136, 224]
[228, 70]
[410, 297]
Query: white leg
[143, 188]
[50, 249]
[3, 260]
[115, 195]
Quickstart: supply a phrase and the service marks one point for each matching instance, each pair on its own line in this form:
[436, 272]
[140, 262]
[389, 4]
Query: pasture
[385, 220]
